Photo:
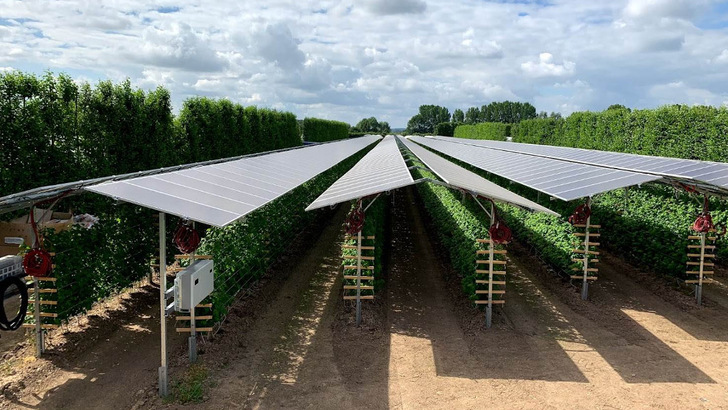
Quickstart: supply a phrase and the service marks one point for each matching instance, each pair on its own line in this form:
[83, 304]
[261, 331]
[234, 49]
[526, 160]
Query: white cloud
[722, 57]
[545, 67]
[349, 59]
[177, 45]
[678, 92]
[389, 7]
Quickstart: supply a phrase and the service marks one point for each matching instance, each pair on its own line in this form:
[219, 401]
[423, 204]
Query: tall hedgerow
[318, 130]
[484, 131]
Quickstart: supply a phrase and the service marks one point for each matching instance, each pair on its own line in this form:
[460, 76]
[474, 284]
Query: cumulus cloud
[389, 7]
[276, 44]
[546, 67]
[176, 45]
[678, 92]
[659, 9]
[351, 59]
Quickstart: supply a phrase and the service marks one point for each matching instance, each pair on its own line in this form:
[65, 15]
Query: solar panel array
[712, 173]
[458, 176]
[382, 169]
[557, 178]
[221, 194]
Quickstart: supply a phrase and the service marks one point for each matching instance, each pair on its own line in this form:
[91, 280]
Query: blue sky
[348, 60]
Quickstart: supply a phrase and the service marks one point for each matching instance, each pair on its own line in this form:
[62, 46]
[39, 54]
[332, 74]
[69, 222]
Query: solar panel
[382, 169]
[458, 176]
[220, 194]
[557, 178]
[712, 173]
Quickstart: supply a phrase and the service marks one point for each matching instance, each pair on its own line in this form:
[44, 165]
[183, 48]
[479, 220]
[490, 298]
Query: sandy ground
[10, 340]
[636, 343]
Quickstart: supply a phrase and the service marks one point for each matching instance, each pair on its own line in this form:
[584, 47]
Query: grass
[191, 388]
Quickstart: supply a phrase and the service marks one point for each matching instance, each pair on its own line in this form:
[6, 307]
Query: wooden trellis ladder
[587, 251]
[496, 286]
[44, 300]
[704, 260]
[357, 277]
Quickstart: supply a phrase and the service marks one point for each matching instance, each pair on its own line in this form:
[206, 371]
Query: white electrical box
[193, 284]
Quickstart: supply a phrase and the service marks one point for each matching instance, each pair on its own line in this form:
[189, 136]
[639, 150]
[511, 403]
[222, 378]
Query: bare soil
[637, 343]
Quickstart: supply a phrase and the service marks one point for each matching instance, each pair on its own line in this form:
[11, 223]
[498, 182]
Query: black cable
[15, 323]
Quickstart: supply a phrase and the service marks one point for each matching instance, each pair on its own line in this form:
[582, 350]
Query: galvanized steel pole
[163, 303]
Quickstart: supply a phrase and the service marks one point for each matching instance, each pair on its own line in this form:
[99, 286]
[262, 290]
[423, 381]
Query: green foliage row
[92, 264]
[459, 222]
[484, 131]
[680, 131]
[243, 251]
[375, 223]
[54, 131]
[211, 129]
[318, 130]
[446, 129]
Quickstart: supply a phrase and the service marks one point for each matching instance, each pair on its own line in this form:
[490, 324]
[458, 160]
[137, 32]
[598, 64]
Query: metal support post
[358, 278]
[192, 341]
[699, 285]
[39, 336]
[585, 281]
[163, 304]
[489, 307]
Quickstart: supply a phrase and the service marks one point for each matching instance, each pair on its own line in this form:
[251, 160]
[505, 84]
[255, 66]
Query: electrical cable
[580, 215]
[704, 222]
[355, 220]
[186, 238]
[37, 262]
[14, 324]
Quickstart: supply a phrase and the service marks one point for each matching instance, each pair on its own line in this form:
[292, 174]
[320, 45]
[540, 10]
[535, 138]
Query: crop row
[375, 224]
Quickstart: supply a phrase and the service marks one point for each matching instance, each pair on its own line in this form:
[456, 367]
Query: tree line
[428, 118]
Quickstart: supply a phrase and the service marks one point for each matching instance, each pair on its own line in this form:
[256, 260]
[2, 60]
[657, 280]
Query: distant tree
[543, 114]
[507, 112]
[555, 115]
[428, 117]
[372, 125]
[617, 107]
[458, 115]
[384, 128]
[472, 115]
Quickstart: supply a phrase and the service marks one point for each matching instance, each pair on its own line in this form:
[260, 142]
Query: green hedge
[446, 129]
[212, 129]
[484, 131]
[55, 131]
[679, 131]
[318, 130]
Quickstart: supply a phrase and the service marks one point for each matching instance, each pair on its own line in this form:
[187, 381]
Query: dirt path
[633, 345]
[628, 347]
[287, 357]
[107, 364]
